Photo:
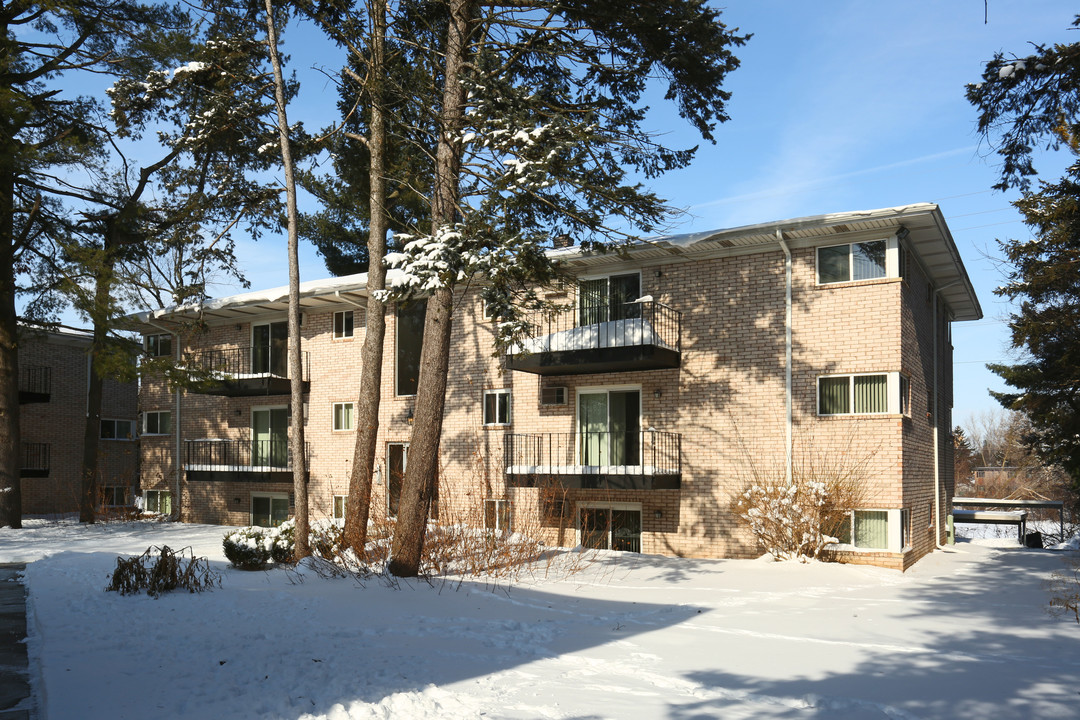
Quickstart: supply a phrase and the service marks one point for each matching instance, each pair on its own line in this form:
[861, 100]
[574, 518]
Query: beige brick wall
[727, 401]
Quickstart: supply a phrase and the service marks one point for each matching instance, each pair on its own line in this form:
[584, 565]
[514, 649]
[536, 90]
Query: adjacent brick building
[683, 369]
[53, 384]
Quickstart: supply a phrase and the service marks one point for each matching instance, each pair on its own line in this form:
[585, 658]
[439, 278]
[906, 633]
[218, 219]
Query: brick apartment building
[630, 421]
[53, 384]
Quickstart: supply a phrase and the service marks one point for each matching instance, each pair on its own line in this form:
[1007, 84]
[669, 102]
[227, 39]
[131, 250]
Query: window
[852, 261]
[117, 430]
[553, 396]
[343, 416]
[157, 422]
[410, 337]
[615, 526]
[343, 324]
[339, 507]
[158, 345]
[497, 407]
[114, 495]
[609, 298]
[269, 510]
[157, 501]
[497, 515]
[875, 530]
[864, 394]
[270, 349]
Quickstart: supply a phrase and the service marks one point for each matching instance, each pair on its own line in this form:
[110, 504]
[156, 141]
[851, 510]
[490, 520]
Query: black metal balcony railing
[238, 455]
[240, 362]
[35, 459]
[35, 383]
[638, 335]
[589, 327]
[594, 459]
[243, 371]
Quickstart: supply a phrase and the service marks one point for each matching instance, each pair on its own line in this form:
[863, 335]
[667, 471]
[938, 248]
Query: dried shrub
[1064, 589]
[160, 570]
[798, 518]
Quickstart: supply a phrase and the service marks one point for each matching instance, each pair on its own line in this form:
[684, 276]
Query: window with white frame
[498, 515]
[343, 416]
[339, 507]
[496, 407]
[157, 501]
[343, 324]
[851, 261]
[114, 495]
[875, 530]
[117, 429]
[269, 509]
[158, 345]
[157, 422]
[863, 394]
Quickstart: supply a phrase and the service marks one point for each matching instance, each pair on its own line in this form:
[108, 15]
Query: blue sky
[838, 106]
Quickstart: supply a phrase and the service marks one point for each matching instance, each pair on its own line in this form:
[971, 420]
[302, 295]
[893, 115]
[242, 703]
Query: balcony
[643, 460]
[239, 460]
[35, 460]
[640, 335]
[35, 384]
[245, 371]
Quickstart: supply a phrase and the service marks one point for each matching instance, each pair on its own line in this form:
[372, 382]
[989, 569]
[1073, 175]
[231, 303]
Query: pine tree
[538, 119]
[1025, 102]
[46, 131]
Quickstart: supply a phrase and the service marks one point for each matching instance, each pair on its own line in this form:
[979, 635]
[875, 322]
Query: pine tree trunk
[296, 368]
[88, 496]
[419, 483]
[10, 436]
[358, 506]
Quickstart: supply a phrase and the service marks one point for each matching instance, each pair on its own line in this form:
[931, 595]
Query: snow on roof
[929, 237]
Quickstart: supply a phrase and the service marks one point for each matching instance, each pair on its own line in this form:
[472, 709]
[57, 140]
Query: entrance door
[609, 427]
[609, 298]
[397, 460]
[270, 437]
[269, 349]
[610, 528]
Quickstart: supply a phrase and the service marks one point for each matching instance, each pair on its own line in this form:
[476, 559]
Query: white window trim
[500, 502]
[604, 276]
[146, 500]
[578, 507]
[333, 508]
[272, 495]
[159, 413]
[334, 414]
[892, 260]
[509, 408]
[895, 540]
[333, 326]
[892, 400]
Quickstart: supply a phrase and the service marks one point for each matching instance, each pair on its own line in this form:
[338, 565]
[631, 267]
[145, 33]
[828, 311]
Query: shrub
[161, 569]
[799, 517]
[1064, 589]
[248, 548]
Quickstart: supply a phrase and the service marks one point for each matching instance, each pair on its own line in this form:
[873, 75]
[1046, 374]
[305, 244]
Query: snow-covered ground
[964, 634]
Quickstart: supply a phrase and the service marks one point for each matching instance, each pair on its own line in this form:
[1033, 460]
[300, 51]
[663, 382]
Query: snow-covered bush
[798, 517]
[252, 548]
[248, 548]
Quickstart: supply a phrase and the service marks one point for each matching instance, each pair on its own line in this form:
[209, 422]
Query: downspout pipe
[788, 441]
[178, 464]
